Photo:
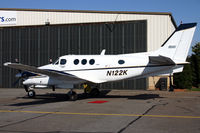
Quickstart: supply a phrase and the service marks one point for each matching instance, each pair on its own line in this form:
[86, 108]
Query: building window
[76, 61]
[92, 61]
[121, 62]
[84, 61]
[63, 62]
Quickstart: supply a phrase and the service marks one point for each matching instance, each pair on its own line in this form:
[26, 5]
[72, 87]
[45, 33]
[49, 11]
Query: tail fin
[176, 47]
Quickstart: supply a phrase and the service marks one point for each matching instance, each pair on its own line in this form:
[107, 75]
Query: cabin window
[92, 61]
[76, 61]
[121, 62]
[63, 62]
[84, 61]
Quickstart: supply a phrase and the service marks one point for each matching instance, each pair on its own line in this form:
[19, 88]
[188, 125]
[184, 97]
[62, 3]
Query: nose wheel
[31, 93]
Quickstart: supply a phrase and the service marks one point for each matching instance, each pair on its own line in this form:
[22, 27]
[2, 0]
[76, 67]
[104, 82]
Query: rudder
[176, 47]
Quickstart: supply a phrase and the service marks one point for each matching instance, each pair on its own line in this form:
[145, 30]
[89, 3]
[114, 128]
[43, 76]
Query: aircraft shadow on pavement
[133, 97]
[42, 99]
[58, 97]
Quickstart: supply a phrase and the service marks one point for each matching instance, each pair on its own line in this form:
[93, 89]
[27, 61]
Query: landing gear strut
[171, 87]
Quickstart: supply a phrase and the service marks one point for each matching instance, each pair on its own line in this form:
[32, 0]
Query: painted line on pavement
[99, 114]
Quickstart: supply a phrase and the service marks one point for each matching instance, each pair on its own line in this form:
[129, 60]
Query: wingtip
[7, 63]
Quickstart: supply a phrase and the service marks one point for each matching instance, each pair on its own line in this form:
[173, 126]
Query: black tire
[95, 92]
[72, 96]
[31, 93]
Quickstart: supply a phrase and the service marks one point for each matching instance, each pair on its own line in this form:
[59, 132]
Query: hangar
[34, 36]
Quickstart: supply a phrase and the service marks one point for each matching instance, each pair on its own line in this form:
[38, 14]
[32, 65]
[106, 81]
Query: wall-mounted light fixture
[47, 22]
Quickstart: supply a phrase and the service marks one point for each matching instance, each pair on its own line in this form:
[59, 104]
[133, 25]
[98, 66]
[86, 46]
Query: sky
[186, 11]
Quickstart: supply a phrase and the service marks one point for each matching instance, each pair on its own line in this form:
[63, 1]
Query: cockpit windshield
[56, 62]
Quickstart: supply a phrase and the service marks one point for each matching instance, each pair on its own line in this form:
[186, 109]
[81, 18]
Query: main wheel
[94, 92]
[31, 93]
[72, 96]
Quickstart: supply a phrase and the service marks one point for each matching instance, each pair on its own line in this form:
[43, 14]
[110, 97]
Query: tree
[191, 72]
[195, 64]
[196, 49]
[183, 80]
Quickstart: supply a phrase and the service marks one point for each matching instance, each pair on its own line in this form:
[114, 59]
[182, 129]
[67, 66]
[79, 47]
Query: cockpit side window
[63, 61]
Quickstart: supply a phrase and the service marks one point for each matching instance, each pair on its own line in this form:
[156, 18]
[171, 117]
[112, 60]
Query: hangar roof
[94, 11]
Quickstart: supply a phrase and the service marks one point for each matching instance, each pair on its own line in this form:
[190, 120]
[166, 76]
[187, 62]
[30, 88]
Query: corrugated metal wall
[159, 27]
[36, 45]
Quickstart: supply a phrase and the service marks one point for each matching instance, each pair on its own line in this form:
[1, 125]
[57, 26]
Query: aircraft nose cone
[26, 82]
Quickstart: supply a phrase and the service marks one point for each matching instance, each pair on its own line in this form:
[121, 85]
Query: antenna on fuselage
[103, 52]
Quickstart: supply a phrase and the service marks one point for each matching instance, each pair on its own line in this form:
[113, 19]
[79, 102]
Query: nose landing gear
[30, 92]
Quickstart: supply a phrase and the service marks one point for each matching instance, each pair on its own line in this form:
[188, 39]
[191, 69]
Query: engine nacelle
[38, 80]
[45, 81]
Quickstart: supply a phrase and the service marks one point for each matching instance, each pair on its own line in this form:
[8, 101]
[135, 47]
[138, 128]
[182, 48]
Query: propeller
[16, 82]
[21, 76]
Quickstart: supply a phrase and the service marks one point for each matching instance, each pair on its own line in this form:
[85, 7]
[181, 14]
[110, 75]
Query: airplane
[69, 70]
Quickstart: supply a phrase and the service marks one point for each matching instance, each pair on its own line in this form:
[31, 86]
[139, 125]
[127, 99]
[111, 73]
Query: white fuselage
[98, 69]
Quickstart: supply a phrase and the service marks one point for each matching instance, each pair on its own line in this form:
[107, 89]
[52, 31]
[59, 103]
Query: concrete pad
[126, 111]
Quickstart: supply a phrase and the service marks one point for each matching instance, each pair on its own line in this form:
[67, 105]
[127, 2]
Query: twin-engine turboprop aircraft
[76, 69]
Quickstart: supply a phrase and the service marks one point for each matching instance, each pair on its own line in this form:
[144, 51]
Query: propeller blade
[26, 88]
[16, 82]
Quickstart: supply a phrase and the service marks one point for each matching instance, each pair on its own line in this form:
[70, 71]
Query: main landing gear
[72, 95]
[88, 92]
[91, 92]
[30, 92]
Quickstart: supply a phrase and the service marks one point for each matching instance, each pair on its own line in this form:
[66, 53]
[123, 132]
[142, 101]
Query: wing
[161, 60]
[32, 69]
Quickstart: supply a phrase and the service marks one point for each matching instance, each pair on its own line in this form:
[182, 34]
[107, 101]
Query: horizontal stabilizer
[161, 60]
